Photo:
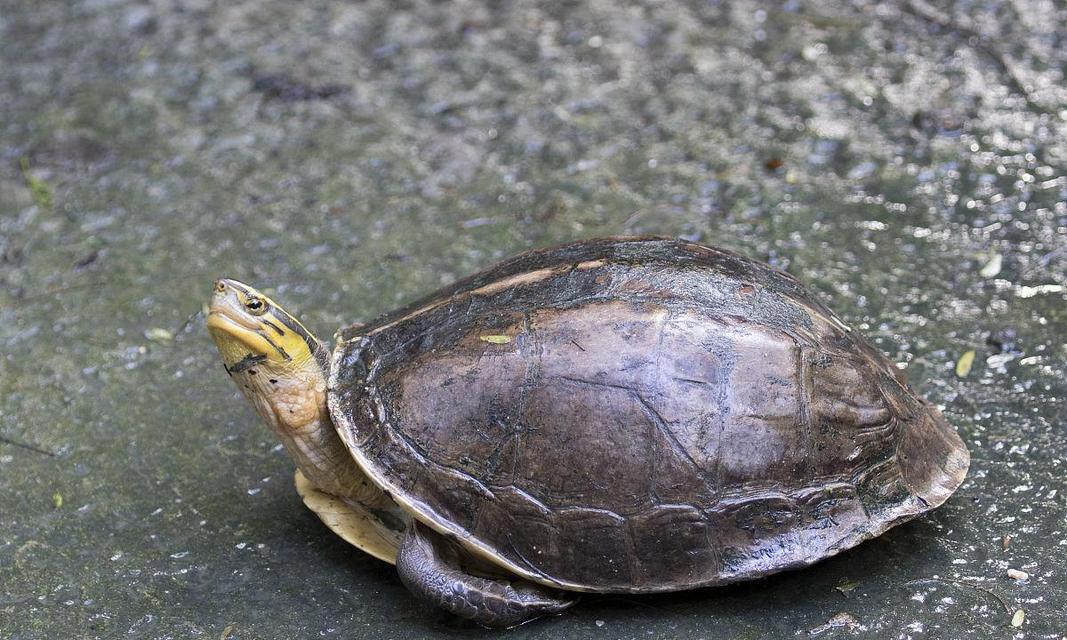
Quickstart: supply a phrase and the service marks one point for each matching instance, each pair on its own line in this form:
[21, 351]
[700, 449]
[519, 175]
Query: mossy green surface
[349, 157]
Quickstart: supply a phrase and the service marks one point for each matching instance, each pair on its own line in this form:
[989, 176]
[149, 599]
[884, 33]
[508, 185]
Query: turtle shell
[638, 415]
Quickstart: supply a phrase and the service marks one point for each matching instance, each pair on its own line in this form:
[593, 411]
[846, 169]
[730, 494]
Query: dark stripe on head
[274, 326]
[313, 344]
[276, 346]
[272, 312]
[240, 287]
[245, 363]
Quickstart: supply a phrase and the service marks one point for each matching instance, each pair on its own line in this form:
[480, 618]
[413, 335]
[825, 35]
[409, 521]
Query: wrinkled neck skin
[291, 399]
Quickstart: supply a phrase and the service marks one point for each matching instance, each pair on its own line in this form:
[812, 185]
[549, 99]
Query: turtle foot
[429, 567]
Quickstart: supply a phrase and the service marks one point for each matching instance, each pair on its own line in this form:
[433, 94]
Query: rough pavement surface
[906, 160]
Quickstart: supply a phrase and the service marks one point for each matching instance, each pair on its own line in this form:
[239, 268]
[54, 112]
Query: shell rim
[920, 500]
[906, 510]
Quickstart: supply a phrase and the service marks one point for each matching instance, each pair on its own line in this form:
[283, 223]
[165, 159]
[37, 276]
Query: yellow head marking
[249, 328]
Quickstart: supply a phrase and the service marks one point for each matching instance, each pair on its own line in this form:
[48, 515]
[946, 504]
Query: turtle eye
[256, 306]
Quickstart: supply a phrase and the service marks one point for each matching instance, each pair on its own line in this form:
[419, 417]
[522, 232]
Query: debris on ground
[837, 621]
[1018, 619]
[159, 335]
[964, 364]
[40, 190]
[846, 586]
[992, 268]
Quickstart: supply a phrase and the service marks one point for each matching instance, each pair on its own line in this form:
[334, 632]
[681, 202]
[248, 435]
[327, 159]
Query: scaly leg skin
[430, 569]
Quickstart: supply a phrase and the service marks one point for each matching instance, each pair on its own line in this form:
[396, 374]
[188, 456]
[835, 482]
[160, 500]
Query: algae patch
[40, 190]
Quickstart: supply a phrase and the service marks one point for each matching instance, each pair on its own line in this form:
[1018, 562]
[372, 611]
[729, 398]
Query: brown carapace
[632, 415]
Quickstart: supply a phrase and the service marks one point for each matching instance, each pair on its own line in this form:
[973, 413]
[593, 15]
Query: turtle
[621, 415]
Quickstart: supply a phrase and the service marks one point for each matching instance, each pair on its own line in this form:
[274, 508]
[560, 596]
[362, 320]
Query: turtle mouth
[223, 316]
[219, 321]
[231, 330]
[234, 337]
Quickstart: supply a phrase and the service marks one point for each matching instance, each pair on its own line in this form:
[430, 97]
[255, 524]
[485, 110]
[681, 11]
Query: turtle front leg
[430, 569]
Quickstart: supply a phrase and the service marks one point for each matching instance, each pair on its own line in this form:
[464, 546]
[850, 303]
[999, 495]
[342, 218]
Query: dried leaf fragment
[40, 190]
[992, 268]
[837, 621]
[160, 335]
[1018, 619]
[847, 586]
[964, 364]
[495, 339]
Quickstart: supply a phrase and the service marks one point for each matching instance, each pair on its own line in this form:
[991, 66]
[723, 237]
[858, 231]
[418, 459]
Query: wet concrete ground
[905, 160]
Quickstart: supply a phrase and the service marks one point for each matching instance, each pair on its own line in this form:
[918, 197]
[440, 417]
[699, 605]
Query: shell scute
[645, 415]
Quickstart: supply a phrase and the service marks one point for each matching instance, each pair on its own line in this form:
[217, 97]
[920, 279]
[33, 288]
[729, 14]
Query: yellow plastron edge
[353, 523]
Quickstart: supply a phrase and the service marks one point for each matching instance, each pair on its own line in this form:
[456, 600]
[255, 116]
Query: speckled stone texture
[906, 160]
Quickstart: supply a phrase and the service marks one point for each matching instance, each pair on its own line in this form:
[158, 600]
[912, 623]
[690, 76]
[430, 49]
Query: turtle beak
[226, 304]
[227, 288]
[235, 332]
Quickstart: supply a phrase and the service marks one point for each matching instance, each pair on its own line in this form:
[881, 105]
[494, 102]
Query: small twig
[961, 583]
[28, 447]
[188, 321]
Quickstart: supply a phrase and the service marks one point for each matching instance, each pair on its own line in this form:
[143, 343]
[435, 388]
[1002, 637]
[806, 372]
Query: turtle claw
[430, 569]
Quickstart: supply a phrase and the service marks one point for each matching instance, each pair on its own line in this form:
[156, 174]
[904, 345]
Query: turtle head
[250, 329]
[282, 370]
